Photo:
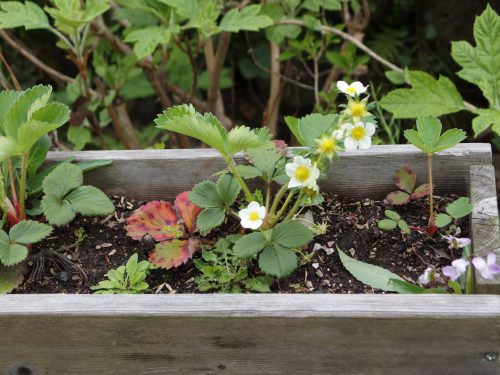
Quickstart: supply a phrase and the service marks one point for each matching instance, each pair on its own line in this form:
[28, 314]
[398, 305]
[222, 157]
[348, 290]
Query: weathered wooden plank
[249, 334]
[155, 174]
[485, 230]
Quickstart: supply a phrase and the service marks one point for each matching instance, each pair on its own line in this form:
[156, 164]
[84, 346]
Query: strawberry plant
[405, 180]
[172, 227]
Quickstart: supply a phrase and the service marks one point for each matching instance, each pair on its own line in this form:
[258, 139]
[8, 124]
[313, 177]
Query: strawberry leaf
[158, 219]
[187, 211]
[173, 253]
[421, 191]
[405, 179]
[398, 197]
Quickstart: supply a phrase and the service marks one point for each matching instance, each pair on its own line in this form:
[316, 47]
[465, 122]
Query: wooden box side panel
[250, 334]
[150, 174]
[485, 230]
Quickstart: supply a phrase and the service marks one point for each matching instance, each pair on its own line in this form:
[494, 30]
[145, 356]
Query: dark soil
[78, 256]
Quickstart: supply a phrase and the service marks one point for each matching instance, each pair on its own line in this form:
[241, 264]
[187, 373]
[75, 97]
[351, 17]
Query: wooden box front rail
[266, 334]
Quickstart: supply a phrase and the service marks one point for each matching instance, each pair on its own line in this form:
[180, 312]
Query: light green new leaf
[146, 40]
[249, 245]
[29, 231]
[392, 215]
[79, 137]
[31, 132]
[427, 97]
[90, 201]
[450, 138]
[460, 208]
[7, 99]
[442, 220]
[429, 129]
[481, 64]
[62, 180]
[313, 126]
[247, 19]
[278, 261]
[387, 224]
[27, 15]
[293, 125]
[8, 148]
[242, 138]
[53, 113]
[374, 276]
[291, 234]
[485, 118]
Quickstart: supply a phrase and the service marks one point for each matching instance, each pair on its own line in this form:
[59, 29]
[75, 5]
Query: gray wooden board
[485, 230]
[162, 174]
[249, 334]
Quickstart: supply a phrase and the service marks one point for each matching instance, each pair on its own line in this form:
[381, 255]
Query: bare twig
[271, 114]
[11, 73]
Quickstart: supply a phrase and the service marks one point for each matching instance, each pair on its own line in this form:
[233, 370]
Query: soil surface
[77, 256]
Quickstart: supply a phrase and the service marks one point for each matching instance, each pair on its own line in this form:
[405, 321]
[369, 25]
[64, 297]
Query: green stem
[469, 281]
[12, 182]
[233, 213]
[277, 199]
[295, 207]
[284, 207]
[381, 116]
[431, 188]
[268, 195]
[22, 185]
[234, 171]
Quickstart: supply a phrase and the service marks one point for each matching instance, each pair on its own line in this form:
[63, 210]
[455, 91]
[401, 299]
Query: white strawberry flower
[301, 172]
[355, 88]
[253, 216]
[358, 136]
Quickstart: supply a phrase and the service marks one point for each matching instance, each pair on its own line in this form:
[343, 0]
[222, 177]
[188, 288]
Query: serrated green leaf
[79, 137]
[28, 15]
[31, 132]
[210, 218]
[57, 210]
[313, 126]
[460, 208]
[427, 97]
[11, 277]
[8, 148]
[291, 234]
[228, 189]
[403, 225]
[480, 63]
[7, 99]
[387, 224]
[429, 128]
[249, 245]
[90, 201]
[293, 125]
[90, 165]
[392, 215]
[38, 154]
[278, 33]
[442, 220]
[52, 113]
[278, 261]
[63, 179]
[484, 119]
[242, 138]
[247, 19]
[206, 195]
[449, 139]
[146, 40]
[248, 171]
[29, 232]
[11, 253]
[369, 274]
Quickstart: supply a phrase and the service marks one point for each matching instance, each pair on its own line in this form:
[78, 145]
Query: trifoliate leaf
[392, 215]
[374, 276]
[247, 19]
[63, 179]
[442, 220]
[249, 245]
[57, 210]
[206, 195]
[480, 63]
[90, 201]
[278, 261]
[427, 97]
[28, 232]
[460, 208]
[210, 218]
[291, 234]
[398, 197]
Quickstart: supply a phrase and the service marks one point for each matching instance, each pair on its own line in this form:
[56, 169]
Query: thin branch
[11, 73]
[272, 111]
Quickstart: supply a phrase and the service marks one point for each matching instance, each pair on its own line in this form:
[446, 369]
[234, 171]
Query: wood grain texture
[485, 230]
[162, 174]
[249, 334]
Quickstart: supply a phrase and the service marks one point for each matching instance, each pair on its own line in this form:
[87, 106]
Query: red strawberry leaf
[398, 197]
[405, 179]
[173, 253]
[421, 191]
[187, 211]
[158, 219]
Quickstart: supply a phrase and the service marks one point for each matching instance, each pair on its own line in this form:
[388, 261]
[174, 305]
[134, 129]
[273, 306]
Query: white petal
[370, 128]
[290, 169]
[253, 206]
[294, 183]
[262, 212]
[338, 134]
[247, 223]
[491, 258]
[350, 144]
[365, 143]
[342, 86]
[299, 160]
[346, 127]
[460, 265]
[479, 263]
[256, 224]
[243, 214]
[360, 89]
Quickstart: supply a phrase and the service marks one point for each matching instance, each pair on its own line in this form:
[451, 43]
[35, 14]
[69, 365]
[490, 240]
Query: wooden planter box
[267, 334]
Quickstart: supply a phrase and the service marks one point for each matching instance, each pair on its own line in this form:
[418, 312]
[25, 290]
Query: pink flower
[457, 268]
[428, 276]
[488, 268]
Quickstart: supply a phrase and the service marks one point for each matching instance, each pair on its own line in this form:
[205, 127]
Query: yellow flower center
[327, 146]
[358, 133]
[358, 110]
[302, 173]
[351, 90]
[254, 216]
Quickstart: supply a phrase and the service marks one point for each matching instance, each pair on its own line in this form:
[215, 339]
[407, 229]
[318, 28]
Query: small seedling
[455, 210]
[405, 179]
[127, 279]
[393, 220]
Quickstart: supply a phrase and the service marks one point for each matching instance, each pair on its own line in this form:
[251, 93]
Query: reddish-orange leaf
[173, 253]
[405, 179]
[187, 211]
[421, 191]
[158, 219]
[398, 197]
